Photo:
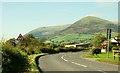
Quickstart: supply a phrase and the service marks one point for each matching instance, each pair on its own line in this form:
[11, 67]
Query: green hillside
[80, 31]
[90, 25]
[47, 31]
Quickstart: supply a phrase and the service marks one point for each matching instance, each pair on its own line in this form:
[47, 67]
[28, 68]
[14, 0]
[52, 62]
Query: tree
[11, 42]
[31, 45]
[99, 38]
[14, 60]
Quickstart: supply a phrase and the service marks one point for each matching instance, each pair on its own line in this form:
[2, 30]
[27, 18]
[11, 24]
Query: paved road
[73, 62]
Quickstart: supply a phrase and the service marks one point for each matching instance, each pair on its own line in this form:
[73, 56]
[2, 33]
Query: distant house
[73, 45]
[104, 44]
[78, 45]
[116, 40]
[113, 40]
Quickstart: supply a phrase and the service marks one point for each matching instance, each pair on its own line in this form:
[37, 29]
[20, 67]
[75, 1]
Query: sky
[22, 17]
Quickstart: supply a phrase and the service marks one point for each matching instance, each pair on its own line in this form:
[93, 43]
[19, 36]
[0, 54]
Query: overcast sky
[22, 17]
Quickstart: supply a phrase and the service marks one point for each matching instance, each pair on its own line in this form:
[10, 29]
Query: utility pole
[108, 37]
[108, 46]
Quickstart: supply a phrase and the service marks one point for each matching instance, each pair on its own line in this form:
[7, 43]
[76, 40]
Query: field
[74, 37]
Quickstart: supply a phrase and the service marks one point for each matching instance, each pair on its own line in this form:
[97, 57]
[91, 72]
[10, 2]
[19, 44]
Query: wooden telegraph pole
[108, 37]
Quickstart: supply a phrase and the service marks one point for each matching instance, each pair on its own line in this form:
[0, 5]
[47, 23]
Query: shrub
[95, 51]
[99, 38]
[11, 42]
[57, 50]
[47, 50]
[13, 60]
[72, 49]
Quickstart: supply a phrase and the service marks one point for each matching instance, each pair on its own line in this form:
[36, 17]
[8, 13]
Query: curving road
[73, 63]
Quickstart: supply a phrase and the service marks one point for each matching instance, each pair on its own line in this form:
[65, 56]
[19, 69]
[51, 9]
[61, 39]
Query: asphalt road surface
[73, 63]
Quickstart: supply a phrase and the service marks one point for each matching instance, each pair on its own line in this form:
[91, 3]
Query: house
[73, 45]
[104, 44]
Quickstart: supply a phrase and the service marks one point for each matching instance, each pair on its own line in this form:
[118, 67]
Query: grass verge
[103, 58]
[33, 63]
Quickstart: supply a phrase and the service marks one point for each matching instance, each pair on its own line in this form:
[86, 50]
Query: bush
[15, 55]
[96, 51]
[48, 50]
[57, 50]
[14, 60]
[70, 49]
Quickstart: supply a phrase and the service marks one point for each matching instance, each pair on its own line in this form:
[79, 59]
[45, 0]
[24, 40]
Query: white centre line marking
[73, 62]
[84, 65]
[79, 64]
[64, 59]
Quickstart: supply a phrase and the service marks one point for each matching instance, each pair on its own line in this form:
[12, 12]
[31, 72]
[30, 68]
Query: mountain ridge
[90, 23]
[86, 25]
[47, 31]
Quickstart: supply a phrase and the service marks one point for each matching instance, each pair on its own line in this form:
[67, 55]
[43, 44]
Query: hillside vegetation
[87, 25]
[47, 31]
[76, 37]
[72, 38]
[90, 25]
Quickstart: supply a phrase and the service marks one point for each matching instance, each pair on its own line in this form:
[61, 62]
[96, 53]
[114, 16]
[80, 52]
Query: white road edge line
[73, 62]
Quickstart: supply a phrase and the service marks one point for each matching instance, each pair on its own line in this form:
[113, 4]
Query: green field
[72, 38]
[76, 37]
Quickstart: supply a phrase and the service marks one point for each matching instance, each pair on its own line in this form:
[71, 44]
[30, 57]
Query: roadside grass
[103, 58]
[32, 62]
[109, 60]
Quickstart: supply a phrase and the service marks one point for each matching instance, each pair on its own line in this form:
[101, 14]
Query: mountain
[90, 25]
[86, 25]
[48, 30]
